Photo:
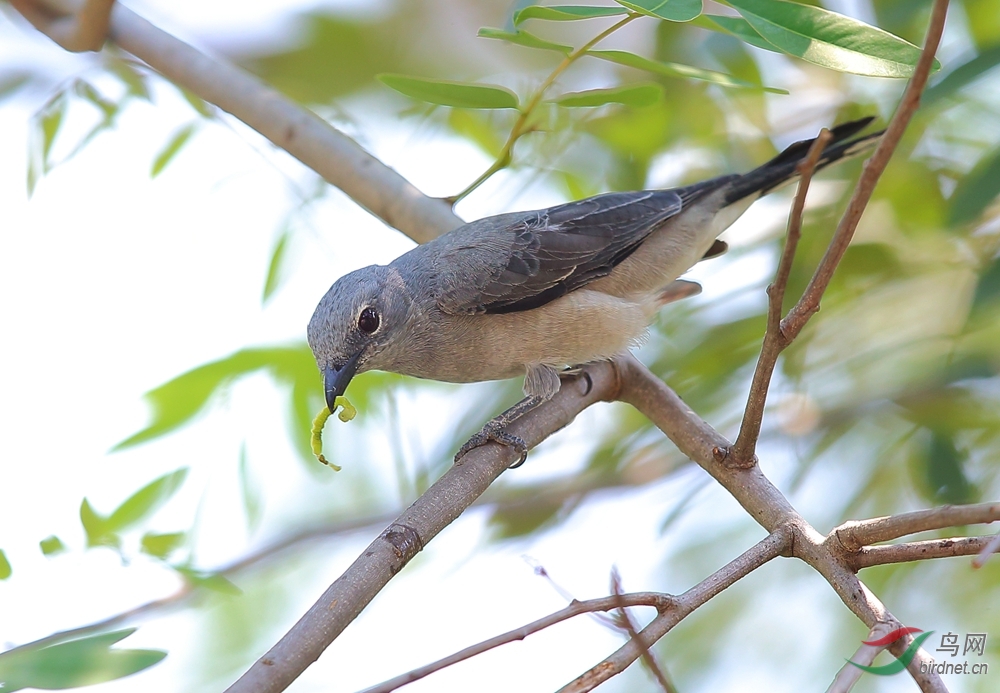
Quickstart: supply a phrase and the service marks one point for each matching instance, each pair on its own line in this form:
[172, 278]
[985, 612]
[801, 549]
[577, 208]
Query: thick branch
[300, 132]
[918, 551]
[440, 505]
[702, 443]
[758, 496]
[655, 599]
[856, 534]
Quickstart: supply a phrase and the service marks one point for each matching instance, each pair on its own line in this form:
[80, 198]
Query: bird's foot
[495, 431]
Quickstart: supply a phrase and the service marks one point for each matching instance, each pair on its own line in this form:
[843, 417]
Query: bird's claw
[494, 431]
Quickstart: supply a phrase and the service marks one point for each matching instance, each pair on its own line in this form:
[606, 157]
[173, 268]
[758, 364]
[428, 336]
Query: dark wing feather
[540, 256]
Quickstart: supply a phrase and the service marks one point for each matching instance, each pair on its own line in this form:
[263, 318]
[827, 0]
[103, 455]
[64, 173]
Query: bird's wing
[529, 259]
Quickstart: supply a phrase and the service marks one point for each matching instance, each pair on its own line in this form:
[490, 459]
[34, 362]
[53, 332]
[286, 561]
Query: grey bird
[529, 293]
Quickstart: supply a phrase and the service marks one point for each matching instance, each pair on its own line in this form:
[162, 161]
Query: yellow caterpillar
[347, 412]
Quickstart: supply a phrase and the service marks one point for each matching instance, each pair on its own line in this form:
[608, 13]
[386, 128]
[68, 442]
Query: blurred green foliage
[75, 663]
[887, 402]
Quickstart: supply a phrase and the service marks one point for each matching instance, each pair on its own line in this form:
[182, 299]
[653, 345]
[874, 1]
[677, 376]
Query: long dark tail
[782, 168]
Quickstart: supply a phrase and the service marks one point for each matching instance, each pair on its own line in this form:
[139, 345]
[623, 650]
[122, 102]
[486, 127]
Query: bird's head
[354, 322]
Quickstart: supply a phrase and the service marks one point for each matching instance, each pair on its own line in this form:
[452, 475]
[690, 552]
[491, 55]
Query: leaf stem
[523, 125]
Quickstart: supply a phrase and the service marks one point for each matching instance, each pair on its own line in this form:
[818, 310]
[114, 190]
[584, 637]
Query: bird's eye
[368, 321]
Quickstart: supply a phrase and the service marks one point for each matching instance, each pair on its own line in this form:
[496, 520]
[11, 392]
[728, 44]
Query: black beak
[335, 380]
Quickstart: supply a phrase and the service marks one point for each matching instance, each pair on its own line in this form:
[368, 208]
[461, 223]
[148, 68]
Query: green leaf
[96, 527]
[146, 501]
[5, 569]
[734, 26]
[45, 126]
[212, 581]
[976, 191]
[638, 95]
[829, 39]
[523, 38]
[178, 401]
[49, 120]
[476, 127]
[678, 70]
[172, 147]
[10, 82]
[198, 104]
[671, 10]
[73, 664]
[86, 90]
[275, 267]
[132, 78]
[945, 473]
[988, 288]
[51, 545]
[253, 501]
[964, 74]
[447, 93]
[162, 545]
[565, 13]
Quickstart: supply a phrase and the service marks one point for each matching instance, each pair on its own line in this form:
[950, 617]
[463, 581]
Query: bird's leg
[494, 430]
[541, 383]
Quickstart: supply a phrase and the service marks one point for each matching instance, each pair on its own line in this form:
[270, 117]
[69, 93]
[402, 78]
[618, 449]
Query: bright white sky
[113, 283]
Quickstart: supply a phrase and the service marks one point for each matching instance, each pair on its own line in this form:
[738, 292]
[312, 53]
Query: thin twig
[856, 534]
[991, 548]
[661, 602]
[772, 546]
[522, 125]
[918, 551]
[742, 452]
[797, 317]
[625, 619]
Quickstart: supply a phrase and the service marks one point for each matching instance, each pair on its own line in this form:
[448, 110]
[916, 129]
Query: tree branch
[759, 497]
[772, 546]
[440, 505]
[655, 599]
[624, 620]
[918, 551]
[742, 452]
[809, 303]
[856, 534]
[343, 163]
[297, 130]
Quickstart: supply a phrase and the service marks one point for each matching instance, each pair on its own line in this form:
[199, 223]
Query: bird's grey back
[523, 260]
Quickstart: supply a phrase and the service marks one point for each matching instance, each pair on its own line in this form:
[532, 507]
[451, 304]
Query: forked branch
[742, 454]
[778, 337]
